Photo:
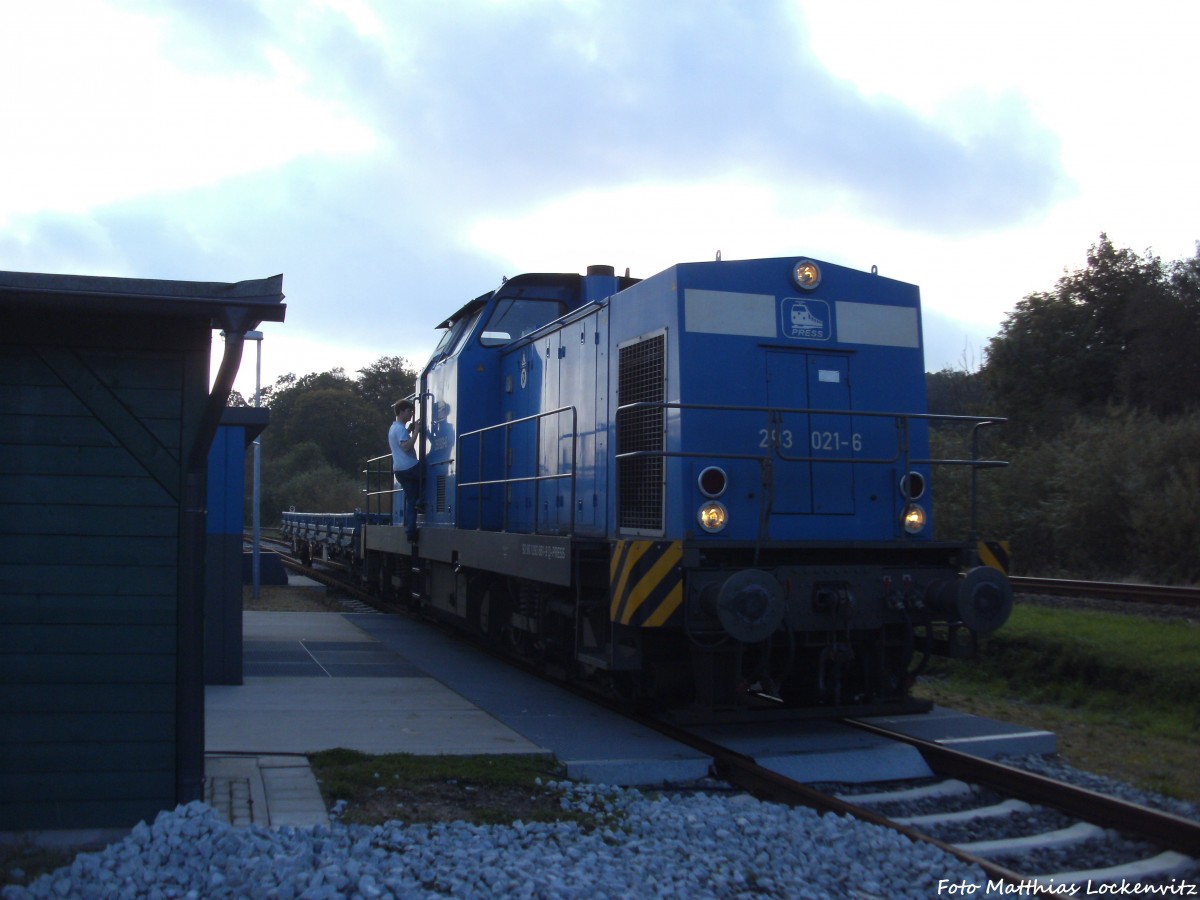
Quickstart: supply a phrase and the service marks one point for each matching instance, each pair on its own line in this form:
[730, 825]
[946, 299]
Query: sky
[394, 159]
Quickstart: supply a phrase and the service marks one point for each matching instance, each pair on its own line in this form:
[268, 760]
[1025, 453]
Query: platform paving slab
[976, 735]
[818, 750]
[264, 790]
[593, 743]
[269, 715]
[295, 797]
[327, 684]
[233, 787]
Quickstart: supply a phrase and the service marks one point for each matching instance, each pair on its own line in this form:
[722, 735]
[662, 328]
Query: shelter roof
[238, 306]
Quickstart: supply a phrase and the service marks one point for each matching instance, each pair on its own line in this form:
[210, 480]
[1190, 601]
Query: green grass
[1122, 692]
[350, 771]
[1127, 668]
[480, 789]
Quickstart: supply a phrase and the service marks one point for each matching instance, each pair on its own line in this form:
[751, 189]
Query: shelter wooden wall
[91, 481]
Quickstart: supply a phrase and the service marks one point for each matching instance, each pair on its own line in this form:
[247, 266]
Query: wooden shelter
[106, 417]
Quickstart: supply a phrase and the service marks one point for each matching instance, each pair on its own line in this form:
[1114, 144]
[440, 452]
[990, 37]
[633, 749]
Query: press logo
[805, 319]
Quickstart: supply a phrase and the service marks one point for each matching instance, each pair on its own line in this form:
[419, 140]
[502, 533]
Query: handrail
[374, 491]
[776, 413]
[535, 479]
[775, 416]
[374, 497]
[381, 471]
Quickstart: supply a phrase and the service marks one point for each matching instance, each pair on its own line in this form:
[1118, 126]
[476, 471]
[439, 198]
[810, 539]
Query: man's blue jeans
[410, 481]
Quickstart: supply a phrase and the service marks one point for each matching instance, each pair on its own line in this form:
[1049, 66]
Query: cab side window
[466, 333]
[516, 317]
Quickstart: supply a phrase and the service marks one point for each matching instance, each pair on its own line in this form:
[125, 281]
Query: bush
[302, 479]
[322, 490]
[1112, 496]
[1165, 519]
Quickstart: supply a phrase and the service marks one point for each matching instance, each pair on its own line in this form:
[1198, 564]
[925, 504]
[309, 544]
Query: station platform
[389, 684]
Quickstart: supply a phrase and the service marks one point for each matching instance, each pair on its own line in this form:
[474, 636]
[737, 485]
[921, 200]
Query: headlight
[914, 518]
[806, 274]
[712, 516]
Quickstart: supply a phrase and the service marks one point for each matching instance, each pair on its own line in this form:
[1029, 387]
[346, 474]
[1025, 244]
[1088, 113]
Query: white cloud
[393, 160]
[105, 115]
[645, 227]
[969, 282]
[1109, 79]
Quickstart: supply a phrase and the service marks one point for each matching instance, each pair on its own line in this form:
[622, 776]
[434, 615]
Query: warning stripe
[646, 582]
[994, 554]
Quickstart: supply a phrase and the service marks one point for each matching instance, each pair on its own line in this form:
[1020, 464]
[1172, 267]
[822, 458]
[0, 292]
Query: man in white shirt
[402, 437]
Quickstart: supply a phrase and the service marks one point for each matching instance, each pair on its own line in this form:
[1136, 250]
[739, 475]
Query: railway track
[1109, 590]
[1136, 844]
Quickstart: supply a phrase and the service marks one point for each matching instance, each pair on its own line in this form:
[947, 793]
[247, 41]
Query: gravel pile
[680, 845]
[694, 845]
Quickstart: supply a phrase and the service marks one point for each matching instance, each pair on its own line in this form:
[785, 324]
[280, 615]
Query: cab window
[466, 333]
[515, 317]
[455, 336]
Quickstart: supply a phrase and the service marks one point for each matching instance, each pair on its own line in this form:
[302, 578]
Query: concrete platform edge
[269, 790]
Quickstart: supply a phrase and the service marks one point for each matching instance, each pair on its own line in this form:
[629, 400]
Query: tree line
[1099, 378]
[1100, 381]
[323, 428]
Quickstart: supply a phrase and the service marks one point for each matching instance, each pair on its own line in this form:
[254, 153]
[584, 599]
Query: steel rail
[1111, 590]
[744, 772]
[1166, 829]
[330, 579]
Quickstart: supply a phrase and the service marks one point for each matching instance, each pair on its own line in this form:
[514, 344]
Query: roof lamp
[806, 274]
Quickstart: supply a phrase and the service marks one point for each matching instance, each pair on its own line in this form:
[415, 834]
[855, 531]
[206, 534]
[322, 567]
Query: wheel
[387, 591]
[487, 608]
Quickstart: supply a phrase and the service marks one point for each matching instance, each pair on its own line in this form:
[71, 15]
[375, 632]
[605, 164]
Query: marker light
[712, 516]
[913, 485]
[712, 481]
[806, 274]
[914, 518]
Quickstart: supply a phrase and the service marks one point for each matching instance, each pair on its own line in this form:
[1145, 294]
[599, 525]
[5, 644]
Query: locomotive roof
[517, 285]
[467, 308]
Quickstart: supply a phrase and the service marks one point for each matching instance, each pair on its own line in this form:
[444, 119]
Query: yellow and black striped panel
[994, 554]
[646, 583]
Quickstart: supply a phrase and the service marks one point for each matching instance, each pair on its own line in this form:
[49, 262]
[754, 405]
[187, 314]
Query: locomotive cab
[472, 443]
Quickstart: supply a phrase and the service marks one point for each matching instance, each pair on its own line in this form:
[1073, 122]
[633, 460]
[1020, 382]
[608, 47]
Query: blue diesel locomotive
[707, 489]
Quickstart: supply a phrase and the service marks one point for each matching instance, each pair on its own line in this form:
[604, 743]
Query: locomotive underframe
[853, 619]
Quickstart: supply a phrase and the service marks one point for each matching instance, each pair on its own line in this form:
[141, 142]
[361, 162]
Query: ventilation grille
[641, 378]
[440, 486]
